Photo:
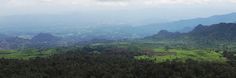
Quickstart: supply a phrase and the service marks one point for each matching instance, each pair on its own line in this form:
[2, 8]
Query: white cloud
[103, 2]
[7, 6]
[234, 1]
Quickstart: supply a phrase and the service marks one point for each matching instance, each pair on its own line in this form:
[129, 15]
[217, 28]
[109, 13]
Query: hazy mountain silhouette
[113, 30]
[216, 33]
[191, 23]
[44, 38]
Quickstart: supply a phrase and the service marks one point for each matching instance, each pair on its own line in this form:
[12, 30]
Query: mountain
[128, 31]
[13, 42]
[44, 38]
[164, 34]
[212, 34]
[87, 28]
[189, 24]
[215, 32]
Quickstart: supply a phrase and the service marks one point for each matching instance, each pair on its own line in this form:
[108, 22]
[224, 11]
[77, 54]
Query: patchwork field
[155, 52]
[25, 54]
[183, 55]
[159, 52]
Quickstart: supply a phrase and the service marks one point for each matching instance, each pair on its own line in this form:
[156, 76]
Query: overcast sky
[170, 9]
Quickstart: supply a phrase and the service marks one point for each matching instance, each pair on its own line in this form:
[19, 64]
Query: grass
[26, 54]
[183, 55]
[180, 54]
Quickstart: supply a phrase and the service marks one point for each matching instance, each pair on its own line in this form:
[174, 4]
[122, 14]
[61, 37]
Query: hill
[191, 23]
[44, 38]
[216, 34]
[188, 24]
[13, 43]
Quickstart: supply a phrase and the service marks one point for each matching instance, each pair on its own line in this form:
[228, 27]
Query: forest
[204, 52]
[117, 38]
[117, 60]
[111, 62]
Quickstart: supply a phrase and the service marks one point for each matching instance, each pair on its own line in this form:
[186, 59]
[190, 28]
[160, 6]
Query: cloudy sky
[170, 9]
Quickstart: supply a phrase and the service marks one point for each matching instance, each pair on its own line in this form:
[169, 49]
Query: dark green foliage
[109, 63]
[167, 48]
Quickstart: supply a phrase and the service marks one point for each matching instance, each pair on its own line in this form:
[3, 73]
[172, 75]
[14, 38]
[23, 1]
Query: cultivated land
[25, 54]
[155, 52]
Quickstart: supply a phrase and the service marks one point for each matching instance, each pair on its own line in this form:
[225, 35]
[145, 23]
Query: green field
[25, 54]
[183, 55]
[178, 54]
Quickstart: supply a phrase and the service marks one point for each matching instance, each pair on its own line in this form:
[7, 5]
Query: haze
[141, 9]
[67, 15]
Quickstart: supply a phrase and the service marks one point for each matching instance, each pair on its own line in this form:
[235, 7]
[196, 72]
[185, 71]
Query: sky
[164, 9]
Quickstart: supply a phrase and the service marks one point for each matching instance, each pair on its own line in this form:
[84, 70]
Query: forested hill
[42, 40]
[216, 33]
[222, 31]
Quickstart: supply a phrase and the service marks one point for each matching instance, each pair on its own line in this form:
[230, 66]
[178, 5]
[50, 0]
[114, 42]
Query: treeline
[110, 62]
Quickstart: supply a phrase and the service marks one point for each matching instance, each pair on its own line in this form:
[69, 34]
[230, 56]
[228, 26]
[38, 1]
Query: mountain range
[77, 27]
[191, 23]
[217, 34]
[42, 40]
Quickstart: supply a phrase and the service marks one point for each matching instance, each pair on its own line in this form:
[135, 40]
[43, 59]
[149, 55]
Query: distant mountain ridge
[71, 25]
[212, 34]
[219, 32]
[45, 37]
[189, 24]
[42, 40]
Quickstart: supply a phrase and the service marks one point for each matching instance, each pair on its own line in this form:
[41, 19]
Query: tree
[167, 48]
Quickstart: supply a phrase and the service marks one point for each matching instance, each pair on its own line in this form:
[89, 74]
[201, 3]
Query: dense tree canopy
[101, 62]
